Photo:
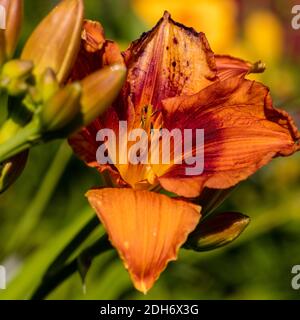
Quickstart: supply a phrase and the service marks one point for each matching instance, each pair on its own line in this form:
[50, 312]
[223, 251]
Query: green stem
[52, 281]
[79, 238]
[8, 130]
[24, 139]
[33, 213]
[3, 106]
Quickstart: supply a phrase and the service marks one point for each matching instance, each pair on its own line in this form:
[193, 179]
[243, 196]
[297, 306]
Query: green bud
[16, 87]
[12, 168]
[17, 69]
[48, 84]
[14, 75]
[217, 231]
[61, 109]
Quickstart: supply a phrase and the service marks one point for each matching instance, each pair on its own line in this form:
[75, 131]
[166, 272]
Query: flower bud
[77, 105]
[11, 169]
[2, 47]
[55, 42]
[100, 89]
[17, 69]
[217, 231]
[48, 84]
[14, 75]
[59, 111]
[10, 36]
[17, 87]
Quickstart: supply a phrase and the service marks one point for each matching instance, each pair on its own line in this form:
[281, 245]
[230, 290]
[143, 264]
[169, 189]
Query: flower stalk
[49, 283]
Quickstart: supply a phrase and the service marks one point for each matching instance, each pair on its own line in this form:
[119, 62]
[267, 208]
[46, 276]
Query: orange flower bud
[55, 42]
[100, 89]
[61, 109]
[10, 36]
[2, 35]
[76, 105]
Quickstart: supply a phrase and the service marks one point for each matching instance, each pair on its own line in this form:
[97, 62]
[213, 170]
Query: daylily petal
[85, 146]
[228, 66]
[242, 132]
[146, 228]
[93, 36]
[168, 61]
[95, 51]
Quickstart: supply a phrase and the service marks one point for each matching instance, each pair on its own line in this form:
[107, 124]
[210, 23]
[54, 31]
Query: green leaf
[31, 273]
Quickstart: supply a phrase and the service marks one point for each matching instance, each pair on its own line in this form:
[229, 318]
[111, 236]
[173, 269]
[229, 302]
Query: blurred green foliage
[44, 209]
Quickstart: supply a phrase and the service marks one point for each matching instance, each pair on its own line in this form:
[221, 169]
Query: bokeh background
[46, 207]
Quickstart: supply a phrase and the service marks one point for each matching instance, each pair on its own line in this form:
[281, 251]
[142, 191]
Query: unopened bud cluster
[44, 104]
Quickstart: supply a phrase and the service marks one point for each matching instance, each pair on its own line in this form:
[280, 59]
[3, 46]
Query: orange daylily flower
[175, 81]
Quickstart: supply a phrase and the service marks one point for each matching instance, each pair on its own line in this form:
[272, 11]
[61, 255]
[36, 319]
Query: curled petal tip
[92, 36]
[229, 66]
[258, 67]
